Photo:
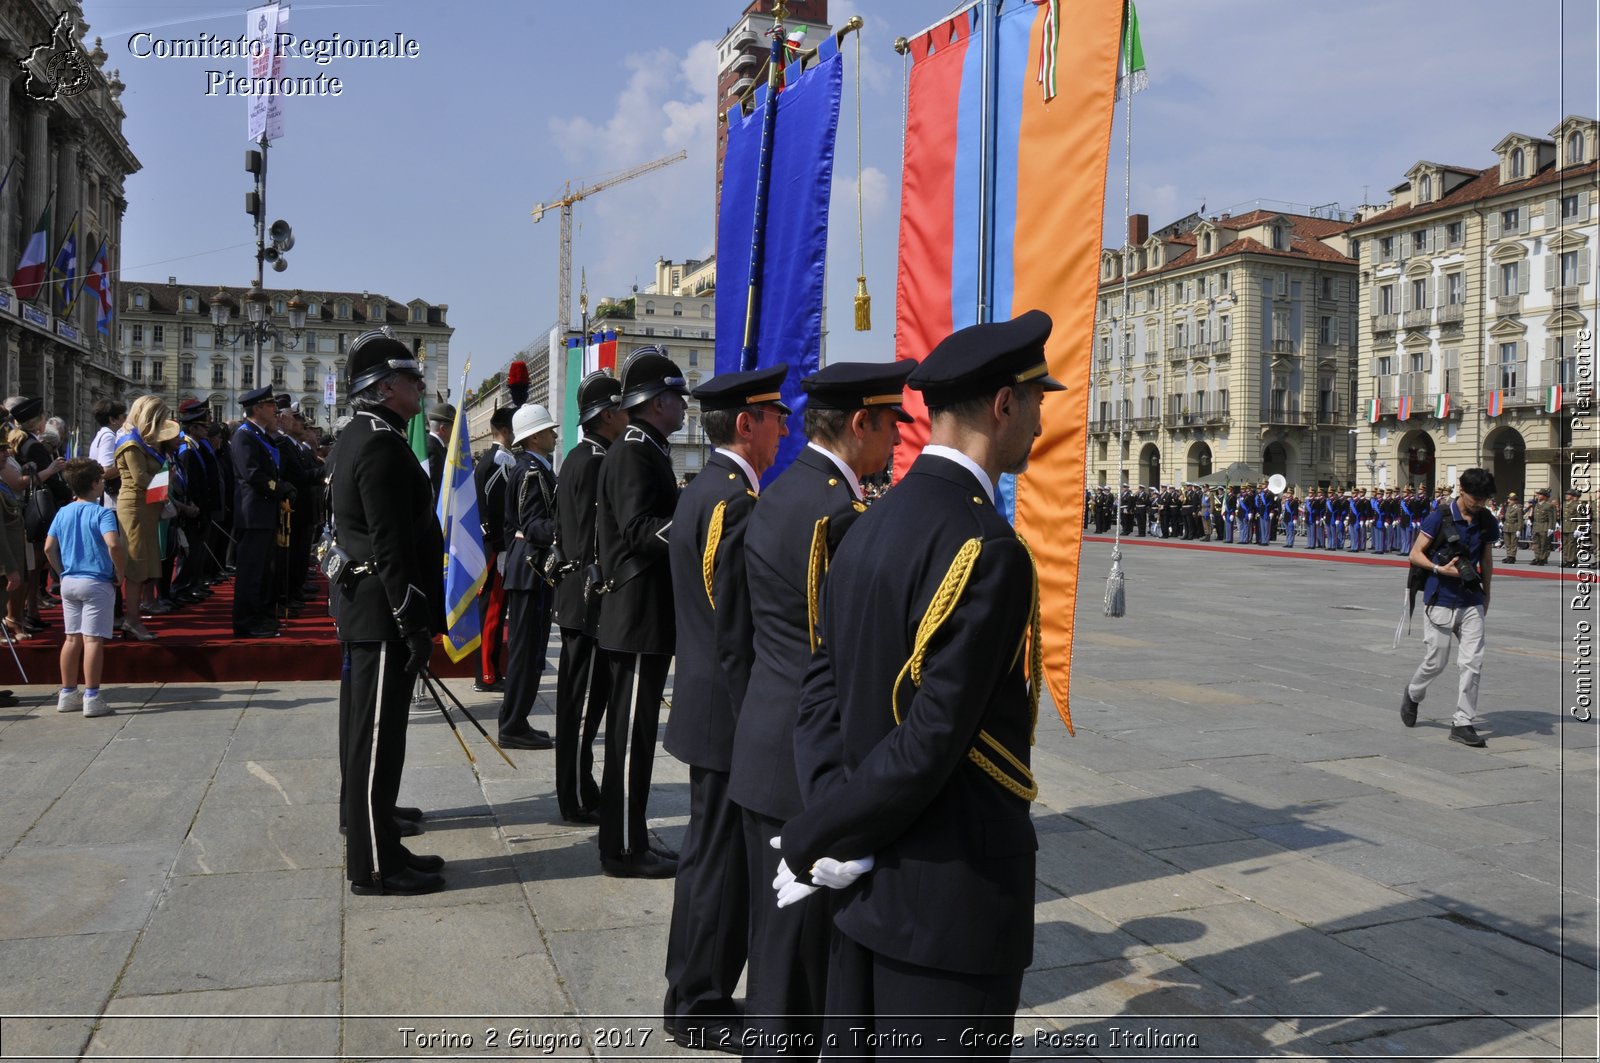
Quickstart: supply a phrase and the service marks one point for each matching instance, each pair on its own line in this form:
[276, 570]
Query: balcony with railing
[1283, 346]
[1565, 296]
[1385, 322]
[1217, 348]
[1417, 318]
[1333, 417]
[1452, 313]
[1144, 424]
[1272, 417]
[1507, 305]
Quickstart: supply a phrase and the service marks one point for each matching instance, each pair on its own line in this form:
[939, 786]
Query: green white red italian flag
[31, 270]
[1441, 405]
[1374, 410]
[1552, 399]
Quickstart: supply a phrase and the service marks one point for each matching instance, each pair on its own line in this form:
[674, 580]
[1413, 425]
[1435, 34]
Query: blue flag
[796, 236]
[463, 545]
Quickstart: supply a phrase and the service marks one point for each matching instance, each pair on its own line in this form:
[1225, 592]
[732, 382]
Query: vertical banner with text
[261, 28]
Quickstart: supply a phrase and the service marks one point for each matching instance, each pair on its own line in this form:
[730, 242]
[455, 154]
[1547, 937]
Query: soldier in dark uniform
[489, 476]
[744, 417]
[388, 617]
[852, 421]
[583, 681]
[637, 494]
[190, 585]
[259, 488]
[530, 526]
[916, 719]
[440, 418]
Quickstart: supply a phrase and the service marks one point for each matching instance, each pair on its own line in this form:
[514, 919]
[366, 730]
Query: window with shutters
[1178, 336]
[1385, 248]
[158, 335]
[1325, 331]
[138, 333]
[1424, 188]
[310, 378]
[1510, 274]
[247, 375]
[1452, 372]
[1455, 288]
[1386, 300]
[1419, 242]
[1279, 242]
[1222, 396]
[1564, 359]
[1511, 369]
[1419, 293]
[277, 374]
[1575, 147]
[1385, 365]
[136, 370]
[1569, 207]
[186, 374]
[1225, 324]
[158, 372]
[1455, 233]
[1510, 220]
[1327, 399]
[1519, 165]
[1419, 361]
[218, 375]
[1567, 270]
[188, 336]
[1327, 287]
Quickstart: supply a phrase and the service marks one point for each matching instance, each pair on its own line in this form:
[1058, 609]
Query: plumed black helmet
[597, 393]
[376, 354]
[647, 373]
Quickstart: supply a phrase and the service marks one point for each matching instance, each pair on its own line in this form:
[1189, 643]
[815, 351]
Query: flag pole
[769, 121]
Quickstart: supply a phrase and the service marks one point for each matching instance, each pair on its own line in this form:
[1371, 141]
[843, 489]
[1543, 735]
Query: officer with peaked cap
[583, 680]
[440, 417]
[259, 488]
[638, 492]
[530, 526]
[744, 417]
[916, 717]
[852, 419]
[194, 473]
[388, 613]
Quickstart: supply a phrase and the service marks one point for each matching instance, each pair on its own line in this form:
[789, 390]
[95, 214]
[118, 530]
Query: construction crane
[565, 202]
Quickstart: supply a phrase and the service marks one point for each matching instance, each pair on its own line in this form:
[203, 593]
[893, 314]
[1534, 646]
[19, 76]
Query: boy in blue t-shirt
[86, 553]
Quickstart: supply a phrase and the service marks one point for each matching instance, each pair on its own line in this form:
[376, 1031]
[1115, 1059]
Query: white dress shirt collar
[961, 459]
[749, 470]
[845, 471]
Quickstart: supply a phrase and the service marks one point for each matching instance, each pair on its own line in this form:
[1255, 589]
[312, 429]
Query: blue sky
[418, 180]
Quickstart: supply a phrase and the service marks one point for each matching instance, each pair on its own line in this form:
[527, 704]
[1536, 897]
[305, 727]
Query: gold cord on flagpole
[863, 300]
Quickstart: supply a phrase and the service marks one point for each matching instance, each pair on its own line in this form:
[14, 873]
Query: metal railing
[1451, 312]
[1285, 417]
[1385, 322]
[1417, 318]
[1507, 305]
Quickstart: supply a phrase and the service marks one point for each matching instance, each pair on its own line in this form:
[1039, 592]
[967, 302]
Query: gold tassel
[863, 306]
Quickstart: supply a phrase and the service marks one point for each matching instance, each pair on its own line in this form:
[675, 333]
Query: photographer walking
[1456, 597]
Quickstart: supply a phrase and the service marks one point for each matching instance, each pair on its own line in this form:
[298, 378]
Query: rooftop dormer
[1577, 140]
[1522, 156]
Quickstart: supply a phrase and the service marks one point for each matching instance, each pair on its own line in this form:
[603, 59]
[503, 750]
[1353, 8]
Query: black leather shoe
[539, 733]
[257, 633]
[584, 815]
[527, 741]
[403, 883]
[424, 862]
[662, 851]
[638, 865]
[1467, 736]
[407, 812]
[1408, 708]
[497, 687]
[406, 828]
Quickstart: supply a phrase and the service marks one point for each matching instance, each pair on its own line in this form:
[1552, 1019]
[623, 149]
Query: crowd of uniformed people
[849, 691]
[1383, 520]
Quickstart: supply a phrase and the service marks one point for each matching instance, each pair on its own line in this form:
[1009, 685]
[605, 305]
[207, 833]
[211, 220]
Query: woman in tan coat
[138, 459]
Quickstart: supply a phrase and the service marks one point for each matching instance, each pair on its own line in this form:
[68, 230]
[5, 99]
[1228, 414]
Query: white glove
[789, 889]
[837, 874]
[500, 563]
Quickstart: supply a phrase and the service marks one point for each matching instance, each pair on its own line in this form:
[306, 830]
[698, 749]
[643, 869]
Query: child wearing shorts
[85, 551]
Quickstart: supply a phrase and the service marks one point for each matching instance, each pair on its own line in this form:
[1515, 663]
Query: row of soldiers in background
[725, 578]
[1384, 521]
[277, 508]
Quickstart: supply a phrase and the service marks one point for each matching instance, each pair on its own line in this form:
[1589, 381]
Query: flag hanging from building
[1441, 405]
[1552, 399]
[789, 286]
[65, 270]
[1042, 250]
[1402, 410]
[30, 275]
[463, 543]
[1374, 410]
[98, 281]
[1131, 75]
[1495, 400]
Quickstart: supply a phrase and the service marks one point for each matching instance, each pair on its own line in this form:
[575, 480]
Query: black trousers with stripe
[786, 989]
[633, 717]
[527, 642]
[583, 685]
[709, 936]
[373, 709]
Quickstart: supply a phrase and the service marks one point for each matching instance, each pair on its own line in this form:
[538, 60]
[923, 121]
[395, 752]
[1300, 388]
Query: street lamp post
[257, 326]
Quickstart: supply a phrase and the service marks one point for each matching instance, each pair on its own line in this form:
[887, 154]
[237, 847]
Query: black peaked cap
[981, 359]
[860, 385]
[755, 387]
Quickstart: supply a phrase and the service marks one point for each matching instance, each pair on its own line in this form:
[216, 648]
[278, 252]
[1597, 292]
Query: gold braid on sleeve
[1035, 646]
[944, 603]
[708, 561]
[816, 568]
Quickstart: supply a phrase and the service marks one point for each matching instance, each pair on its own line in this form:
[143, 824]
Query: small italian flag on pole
[1552, 399]
[1441, 405]
[156, 490]
[1131, 75]
[1374, 410]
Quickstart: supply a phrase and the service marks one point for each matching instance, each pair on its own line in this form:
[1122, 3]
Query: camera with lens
[1454, 549]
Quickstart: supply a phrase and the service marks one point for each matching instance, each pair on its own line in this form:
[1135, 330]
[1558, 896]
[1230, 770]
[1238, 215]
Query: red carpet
[196, 645]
